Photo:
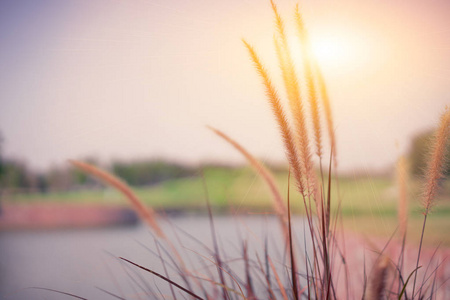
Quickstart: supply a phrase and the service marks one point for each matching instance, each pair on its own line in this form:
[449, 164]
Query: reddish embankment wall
[48, 216]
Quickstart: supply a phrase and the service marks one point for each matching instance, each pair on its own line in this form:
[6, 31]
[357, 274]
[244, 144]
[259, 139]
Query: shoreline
[55, 216]
[16, 217]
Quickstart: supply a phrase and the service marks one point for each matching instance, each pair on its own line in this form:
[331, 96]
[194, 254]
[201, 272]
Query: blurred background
[130, 85]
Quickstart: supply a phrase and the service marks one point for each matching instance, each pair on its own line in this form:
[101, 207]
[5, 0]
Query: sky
[141, 79]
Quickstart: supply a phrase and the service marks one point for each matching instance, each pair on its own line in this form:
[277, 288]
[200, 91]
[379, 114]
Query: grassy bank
[369, 204]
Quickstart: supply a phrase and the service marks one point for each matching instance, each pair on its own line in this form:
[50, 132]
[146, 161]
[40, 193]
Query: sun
[333, 50]
[339, 50]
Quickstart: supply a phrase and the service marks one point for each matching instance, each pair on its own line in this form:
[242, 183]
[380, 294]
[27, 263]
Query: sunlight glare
[333, 50]
[337, 51]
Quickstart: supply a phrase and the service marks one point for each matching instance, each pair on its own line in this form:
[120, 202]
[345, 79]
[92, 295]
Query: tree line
[15, 175]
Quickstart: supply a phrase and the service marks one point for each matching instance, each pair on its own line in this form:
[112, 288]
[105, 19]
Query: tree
[147, 172]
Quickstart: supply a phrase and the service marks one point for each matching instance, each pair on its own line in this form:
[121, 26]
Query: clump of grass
[323, 264]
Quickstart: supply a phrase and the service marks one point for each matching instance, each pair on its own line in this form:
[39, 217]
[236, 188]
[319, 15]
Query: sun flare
[332, 50]
[339, 50]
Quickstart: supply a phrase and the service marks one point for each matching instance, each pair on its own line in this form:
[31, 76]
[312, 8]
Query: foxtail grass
[402, 211]
[309, 79]
[434, 173]
[327, 109]
[378, 282]
[402, 182]
[146, 213]
[287, 136]
[437, 161]
[278, 202]
[324, 266]
[296, 104]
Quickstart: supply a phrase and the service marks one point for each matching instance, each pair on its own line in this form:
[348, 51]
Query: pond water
[83, 262]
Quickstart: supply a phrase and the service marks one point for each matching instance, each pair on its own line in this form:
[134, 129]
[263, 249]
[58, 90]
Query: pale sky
[136, 79]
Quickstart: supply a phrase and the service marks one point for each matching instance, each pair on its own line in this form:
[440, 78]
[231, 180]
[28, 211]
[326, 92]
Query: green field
[369, 204]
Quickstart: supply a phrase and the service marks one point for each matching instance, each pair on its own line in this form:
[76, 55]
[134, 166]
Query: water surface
[81, 261]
